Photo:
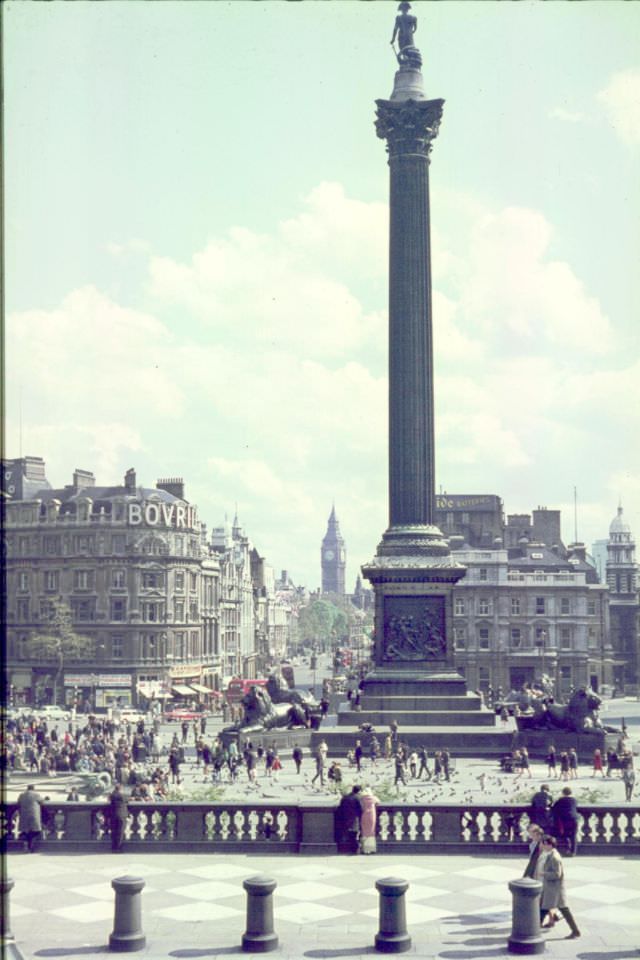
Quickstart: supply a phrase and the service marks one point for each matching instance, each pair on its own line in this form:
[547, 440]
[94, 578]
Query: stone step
[392, 685]
[460, 741]
[418, 718]
[390, 704]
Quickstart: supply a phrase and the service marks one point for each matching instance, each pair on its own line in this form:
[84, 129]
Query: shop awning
[200, 688]
[181, 690]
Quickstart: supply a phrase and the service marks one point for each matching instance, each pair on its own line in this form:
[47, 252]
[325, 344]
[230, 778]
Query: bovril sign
[180, 515]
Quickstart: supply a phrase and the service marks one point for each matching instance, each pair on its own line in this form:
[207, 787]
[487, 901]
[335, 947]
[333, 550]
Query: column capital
[408, 126]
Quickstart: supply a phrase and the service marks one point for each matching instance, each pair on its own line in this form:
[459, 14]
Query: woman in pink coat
[368, 820]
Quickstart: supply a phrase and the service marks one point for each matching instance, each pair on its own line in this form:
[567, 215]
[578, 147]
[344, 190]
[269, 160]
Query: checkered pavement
[321, 903]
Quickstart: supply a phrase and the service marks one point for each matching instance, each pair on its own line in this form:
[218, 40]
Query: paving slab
[458, 908]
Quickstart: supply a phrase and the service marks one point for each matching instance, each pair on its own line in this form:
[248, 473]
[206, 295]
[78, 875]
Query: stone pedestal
[8, 946]
[392, 937]
[259, 936]
[525, 927]
[127, 936]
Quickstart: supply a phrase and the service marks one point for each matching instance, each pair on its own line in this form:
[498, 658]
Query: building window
[193, 582]
[151, 581]
[178, 611]
[516, 637]
[483, 638]
[458, 606]
[179, 645]
[193, 610]
[83, 610]
[195, 636]
[52, 546]
[179, 581]
[565, 638]
[117, 646]
[82, 579]
[483, 573]
[151, 612]
[540, 605]
[565, 606]
[46, 609]
[23, 581]
[592, 637]
[83, 544]
[515, 606]
[460, 638]
[23, 609]
[118, 543]
[118, 610]
[51, 581]
[484, 606]
[150, 646]
[118, 579]
[591, 607]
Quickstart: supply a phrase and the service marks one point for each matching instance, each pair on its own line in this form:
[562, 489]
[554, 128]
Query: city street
[472, 780]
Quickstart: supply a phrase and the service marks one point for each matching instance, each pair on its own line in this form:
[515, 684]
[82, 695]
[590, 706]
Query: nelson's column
[413, 680]
[412, 573]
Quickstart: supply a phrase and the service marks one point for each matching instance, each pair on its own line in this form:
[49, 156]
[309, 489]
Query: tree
[59, 642]
[321, 620]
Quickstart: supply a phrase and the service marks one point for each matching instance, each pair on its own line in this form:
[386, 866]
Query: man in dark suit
[540, 808]
[118, 814]
[565, 820]
[347, 822]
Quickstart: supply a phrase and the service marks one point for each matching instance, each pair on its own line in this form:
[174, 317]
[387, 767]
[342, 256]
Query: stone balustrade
[309, 827]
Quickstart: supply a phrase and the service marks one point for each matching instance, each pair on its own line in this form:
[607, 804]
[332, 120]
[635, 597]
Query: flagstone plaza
[457, 907]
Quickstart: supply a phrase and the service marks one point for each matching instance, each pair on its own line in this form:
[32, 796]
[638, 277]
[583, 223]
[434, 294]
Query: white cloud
[520, 299]
[259, 375]
[621, 101]
[570, 116]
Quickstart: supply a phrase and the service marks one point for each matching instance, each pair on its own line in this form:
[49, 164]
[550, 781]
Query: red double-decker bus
[238, 687]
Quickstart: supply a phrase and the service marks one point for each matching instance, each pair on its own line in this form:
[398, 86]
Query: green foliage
[58, 640]
[203, 794]
[320, 620]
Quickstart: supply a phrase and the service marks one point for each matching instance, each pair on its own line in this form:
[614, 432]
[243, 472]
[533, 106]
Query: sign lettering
[167, 515]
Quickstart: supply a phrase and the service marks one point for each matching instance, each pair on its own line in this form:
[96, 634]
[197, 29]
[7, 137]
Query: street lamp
[540, 643]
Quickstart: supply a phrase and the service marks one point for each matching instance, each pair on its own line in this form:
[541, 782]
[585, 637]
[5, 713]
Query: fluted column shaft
[409, 127]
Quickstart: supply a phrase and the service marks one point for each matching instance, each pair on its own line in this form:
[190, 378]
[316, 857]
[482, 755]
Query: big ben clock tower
[333, 557]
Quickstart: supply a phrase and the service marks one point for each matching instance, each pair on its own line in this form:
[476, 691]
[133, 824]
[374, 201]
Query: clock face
[328, 554]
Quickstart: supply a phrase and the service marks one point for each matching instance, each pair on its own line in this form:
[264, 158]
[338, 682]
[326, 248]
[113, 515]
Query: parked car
[183, 713]
[51, 712]
[129, 714]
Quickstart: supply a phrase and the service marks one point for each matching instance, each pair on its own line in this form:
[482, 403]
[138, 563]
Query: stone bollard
[392, 937]
[525, 927]
[259, 936]
[8, 946]
[127, 936]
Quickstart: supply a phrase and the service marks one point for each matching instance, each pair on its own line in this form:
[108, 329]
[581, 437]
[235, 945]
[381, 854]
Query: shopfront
[97, 691]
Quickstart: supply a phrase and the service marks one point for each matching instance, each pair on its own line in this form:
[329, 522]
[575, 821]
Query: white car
[129, 714]
[51, 712]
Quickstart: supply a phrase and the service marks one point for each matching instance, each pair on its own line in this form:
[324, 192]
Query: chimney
[82, 479]
[130, 480]
[577, 551]
[173, 485]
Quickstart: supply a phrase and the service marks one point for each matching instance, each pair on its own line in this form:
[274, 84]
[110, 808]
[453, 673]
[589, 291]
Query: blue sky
[196, 255]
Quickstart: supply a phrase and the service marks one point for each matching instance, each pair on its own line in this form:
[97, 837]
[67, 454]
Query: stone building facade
[517, 617]
[169, 613]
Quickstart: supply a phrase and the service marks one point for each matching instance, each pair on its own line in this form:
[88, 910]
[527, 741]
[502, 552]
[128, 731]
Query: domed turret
[618, 525]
